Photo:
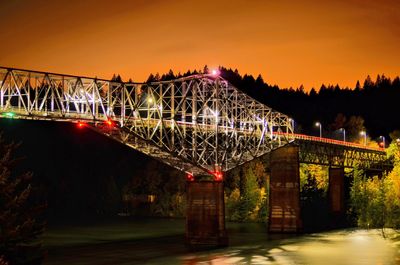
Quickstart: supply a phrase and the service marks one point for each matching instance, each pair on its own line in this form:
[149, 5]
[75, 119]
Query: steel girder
[312, 152]
[199, 124]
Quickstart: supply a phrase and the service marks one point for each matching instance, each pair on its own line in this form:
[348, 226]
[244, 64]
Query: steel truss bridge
[334, 153]
[198, 124]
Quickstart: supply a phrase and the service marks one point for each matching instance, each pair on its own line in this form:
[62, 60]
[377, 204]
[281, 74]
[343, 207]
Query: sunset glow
[288, 42]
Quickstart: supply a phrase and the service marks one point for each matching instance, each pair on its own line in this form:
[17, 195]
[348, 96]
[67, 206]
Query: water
[160, 241]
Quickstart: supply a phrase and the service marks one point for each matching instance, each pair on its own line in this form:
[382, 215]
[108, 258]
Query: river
[161, 241]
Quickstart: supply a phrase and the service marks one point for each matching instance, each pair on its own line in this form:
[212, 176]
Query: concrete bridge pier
[205, 215]
[284, 210]
[336, 196]
[336, 190]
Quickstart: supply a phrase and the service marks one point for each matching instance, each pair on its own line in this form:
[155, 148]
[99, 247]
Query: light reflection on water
[351, 247]
[161, 241]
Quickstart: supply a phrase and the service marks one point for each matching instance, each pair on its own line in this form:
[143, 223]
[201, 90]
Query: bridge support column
[284, 210]
[336, 195]
[205, 216]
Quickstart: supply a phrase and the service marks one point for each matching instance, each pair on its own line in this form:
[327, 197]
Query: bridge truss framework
[198, 124]
[333, 155]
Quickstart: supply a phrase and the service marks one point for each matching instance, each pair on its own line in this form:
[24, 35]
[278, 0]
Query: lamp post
[344, 134]
[320, 128]
[364, 133]
[291, 122]
[383, 141]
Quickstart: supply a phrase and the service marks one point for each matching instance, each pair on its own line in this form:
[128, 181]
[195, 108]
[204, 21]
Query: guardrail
[82, 117]
[330, 141]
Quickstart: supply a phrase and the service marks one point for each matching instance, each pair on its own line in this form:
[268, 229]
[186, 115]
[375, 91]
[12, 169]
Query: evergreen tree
[260, 82]
[313, 93]
[358, 86]
[116, 78]
[368, 83]
[206, 70]
[169, 76]
[20, 213]
[153, 78]
[150, 78]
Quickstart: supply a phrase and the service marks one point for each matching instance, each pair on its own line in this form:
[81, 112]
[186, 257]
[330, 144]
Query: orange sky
[289, 42]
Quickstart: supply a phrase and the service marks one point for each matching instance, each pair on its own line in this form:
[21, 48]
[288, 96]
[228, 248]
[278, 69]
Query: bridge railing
[296, 136]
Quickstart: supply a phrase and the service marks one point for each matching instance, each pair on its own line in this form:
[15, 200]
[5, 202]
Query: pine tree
[150, 78]
[313, 93]
[206, 70]
[368, 83]
[20, 224]
[358, 86]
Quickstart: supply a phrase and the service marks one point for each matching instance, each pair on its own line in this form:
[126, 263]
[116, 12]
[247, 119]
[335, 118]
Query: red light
[218, 176]
[110, 123]
[81, 124]
[189, 177]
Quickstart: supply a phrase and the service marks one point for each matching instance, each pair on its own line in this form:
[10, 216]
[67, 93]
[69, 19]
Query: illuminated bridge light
[189, 176]
[80, 125]
[110, 123]
[215, 72]
[218, 176]
[9, 114]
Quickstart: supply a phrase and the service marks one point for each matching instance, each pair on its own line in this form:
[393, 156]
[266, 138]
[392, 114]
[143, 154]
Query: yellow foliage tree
[320, 173]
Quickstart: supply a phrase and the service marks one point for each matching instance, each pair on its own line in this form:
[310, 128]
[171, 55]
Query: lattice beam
[197, 124]
[312, 152]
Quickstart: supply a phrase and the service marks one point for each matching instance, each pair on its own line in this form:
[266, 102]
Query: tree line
[369, 105]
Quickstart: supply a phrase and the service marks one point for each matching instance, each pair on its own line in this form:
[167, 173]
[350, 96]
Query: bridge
[200, 124]
[197, 124]
[335, 153]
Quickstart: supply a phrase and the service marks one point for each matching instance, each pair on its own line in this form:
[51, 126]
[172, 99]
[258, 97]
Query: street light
[383, 141]
[364, 133]
[320, 128]
[291, 121]
[344, 133]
